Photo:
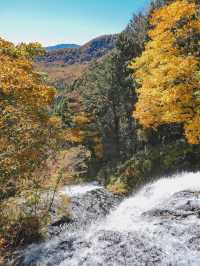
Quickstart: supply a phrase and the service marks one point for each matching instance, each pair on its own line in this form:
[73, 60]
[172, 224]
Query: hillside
[63, 66]
[61, 46]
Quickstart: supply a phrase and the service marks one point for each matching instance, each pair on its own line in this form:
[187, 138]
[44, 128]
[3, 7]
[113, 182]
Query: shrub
[17, 225]
[118, 187]
[149, 165]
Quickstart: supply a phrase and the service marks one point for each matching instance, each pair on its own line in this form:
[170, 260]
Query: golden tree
[168, 70]
[33, 159]
[28, 136]
[25, 130]
[80, 123]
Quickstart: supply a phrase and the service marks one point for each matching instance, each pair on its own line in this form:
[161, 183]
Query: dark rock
[162, 236]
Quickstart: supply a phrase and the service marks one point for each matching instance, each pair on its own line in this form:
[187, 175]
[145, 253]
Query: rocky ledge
[168, 234]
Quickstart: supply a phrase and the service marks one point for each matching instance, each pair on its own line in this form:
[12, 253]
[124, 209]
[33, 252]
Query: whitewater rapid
[159, 225]
[74, 190]
[149, 197]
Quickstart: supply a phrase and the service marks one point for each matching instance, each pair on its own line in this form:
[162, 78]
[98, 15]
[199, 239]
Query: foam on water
[128, 215]
[75, 190]
[128, 220]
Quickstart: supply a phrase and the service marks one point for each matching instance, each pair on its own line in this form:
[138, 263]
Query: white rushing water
[75, 190]
[126, 236]
[127, 217]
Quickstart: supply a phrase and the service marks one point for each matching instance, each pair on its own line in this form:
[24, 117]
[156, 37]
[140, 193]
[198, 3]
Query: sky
[64, 21]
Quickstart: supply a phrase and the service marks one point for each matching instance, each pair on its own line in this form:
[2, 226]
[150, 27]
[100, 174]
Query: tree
[168, 70]
[105, 95]
[28, 136]
[25, 127]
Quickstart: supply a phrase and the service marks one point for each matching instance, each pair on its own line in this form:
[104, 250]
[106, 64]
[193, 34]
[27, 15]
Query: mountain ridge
[61, 46]
[93, 49]
[63, 66]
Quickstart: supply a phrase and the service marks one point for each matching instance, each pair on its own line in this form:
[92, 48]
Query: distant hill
[61, 46]
[85, 53]
[63, 66]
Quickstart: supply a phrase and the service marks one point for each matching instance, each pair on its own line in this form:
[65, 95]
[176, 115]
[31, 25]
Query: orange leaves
[167, 73]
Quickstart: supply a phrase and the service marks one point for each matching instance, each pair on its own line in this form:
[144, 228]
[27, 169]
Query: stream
[158, 225]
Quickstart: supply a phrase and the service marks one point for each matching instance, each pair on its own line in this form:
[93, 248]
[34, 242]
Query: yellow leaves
[31, 50]
[2, 244]
[99, 149]
[77, 135]
[166, 17]
[55, 121]
[169, 78]
[81, 119]
[4, 143]
[118, 187]
[47, 95]
[27, 135]
[17, 76]
[192, 130]
[22, 50]
[83, 129]
[74, 135]
[27, 138]
[195, 24]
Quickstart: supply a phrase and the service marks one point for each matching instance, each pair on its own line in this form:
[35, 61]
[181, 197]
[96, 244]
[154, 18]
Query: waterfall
[79, 189]
[159, 225]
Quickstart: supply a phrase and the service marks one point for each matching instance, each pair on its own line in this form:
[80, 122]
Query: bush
[22, 231]
[118, 187]
[157, 161]
[18, 226]
[24, 220]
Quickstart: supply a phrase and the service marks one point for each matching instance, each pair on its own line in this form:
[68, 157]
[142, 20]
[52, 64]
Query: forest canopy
[168, 70]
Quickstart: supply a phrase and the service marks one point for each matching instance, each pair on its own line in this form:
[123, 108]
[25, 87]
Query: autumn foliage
[24, 122]
[35, 154]
[80, 124]
[28, 136]
[168, 70]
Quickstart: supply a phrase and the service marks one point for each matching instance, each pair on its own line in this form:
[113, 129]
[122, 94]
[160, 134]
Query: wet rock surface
[85, 209]
[179, 206]
[167, 232]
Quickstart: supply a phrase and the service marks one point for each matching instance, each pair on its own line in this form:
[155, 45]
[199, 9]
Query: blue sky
[64, 21]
